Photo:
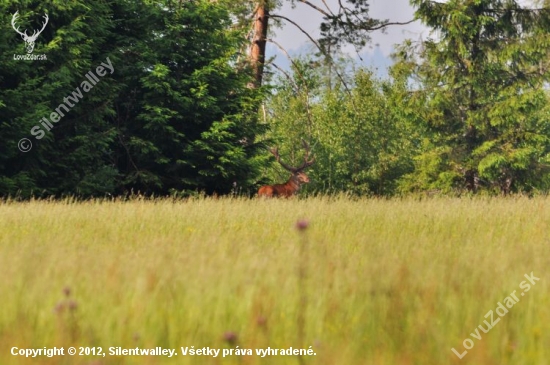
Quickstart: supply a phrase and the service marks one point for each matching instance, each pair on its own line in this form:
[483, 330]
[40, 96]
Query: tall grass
[378, 282]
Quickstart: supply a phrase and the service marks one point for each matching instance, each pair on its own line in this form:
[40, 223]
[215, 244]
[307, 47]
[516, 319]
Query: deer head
[297, 172]
[29, 39]
[298, 177]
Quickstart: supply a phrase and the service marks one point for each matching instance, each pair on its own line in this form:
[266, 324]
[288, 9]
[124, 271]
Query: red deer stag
[296, 179]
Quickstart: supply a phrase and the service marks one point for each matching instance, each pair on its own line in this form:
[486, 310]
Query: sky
[375, 55]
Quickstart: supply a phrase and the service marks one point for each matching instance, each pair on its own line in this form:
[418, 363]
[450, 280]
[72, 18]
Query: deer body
[293, 184]
[285, 190]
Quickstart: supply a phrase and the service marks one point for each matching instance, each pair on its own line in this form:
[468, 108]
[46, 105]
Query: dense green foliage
[362, 141]
[175, 116]
[463, 112]
[482, 97]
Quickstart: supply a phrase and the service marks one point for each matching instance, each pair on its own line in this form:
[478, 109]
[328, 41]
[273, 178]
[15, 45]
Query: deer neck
[294, 182]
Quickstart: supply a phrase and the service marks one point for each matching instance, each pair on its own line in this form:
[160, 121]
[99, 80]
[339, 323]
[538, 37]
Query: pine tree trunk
[257, 53]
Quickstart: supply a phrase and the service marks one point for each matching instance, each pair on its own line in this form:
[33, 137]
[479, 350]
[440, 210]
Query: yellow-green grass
[368, 282]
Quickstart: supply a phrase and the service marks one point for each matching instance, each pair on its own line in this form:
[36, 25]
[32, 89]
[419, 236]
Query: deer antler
[35, 33]
[307, 162]
[275, 152]
[46, 18]
[13, 20]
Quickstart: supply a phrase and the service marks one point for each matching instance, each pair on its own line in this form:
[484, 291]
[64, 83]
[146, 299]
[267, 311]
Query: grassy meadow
[367, 282]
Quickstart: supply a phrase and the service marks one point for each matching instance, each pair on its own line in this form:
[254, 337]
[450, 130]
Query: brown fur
[285, 190]
[297, 178]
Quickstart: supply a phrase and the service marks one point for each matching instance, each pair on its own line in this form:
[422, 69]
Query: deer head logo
[29, 39]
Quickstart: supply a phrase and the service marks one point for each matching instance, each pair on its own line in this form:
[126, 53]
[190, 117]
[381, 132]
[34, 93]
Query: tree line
[194, 102]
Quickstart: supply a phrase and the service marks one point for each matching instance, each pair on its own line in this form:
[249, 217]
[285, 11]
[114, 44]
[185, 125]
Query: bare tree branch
[316, 44]
[328, 8]
[315, 7]
[290, 79]
[299, 73]
[391, 23]
[297, 26]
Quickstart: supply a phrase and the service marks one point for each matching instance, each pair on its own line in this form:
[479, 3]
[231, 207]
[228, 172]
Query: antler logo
[29, 39]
